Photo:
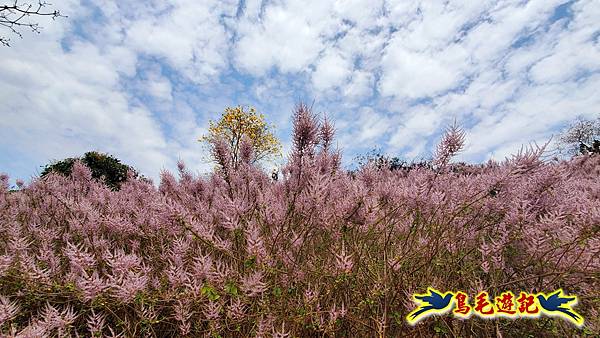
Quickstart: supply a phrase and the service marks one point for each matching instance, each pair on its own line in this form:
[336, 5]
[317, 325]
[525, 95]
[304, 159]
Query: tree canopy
[103, 167]
[581, 137]
[238, 122]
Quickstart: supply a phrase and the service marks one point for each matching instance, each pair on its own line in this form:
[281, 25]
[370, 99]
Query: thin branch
[12, 16]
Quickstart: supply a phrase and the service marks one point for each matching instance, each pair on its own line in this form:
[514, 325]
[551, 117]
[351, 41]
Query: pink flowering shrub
[320, 252]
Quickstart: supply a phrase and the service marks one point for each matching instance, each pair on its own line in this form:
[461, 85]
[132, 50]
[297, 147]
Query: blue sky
[141, 80]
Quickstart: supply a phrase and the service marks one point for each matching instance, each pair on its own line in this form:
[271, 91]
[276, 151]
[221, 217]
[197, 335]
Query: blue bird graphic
[556, 303]
[433, 301]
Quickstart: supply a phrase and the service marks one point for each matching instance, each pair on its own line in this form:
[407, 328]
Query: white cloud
[392, 73]
[360, 86]
[420, 124]
[159, 87]
[373, 125]
[71, 102]
[363, 14]
[332, 70]
[570, 55]
[294, 35]
[414, 75]
[189, 36]
[491, 82]
[288, 36]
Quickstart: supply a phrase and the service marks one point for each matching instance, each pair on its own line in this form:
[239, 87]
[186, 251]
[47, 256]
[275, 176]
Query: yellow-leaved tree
[237, 122]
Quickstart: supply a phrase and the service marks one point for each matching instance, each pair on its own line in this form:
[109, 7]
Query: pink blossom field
[319, 252]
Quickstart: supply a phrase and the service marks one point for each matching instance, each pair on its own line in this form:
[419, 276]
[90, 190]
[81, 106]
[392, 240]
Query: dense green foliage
[104, 167]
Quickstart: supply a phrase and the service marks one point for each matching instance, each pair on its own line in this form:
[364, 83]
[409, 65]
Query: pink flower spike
[343, 261]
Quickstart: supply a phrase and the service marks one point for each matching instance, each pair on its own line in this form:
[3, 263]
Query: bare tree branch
[15, 15]
[581, 137]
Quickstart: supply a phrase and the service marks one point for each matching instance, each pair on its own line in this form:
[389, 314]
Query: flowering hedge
[318, 252]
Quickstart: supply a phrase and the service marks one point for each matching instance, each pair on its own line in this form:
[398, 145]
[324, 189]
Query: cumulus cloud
[331, 71]
[415, 75]
[71, 102]
[523, 73]
[360, 85]
[288, 36]
[188, 35]
[141, 80]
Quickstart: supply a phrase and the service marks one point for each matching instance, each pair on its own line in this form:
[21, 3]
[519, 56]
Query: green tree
[103, 167]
